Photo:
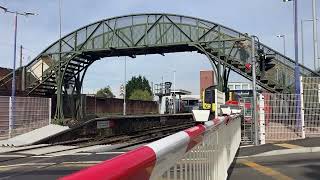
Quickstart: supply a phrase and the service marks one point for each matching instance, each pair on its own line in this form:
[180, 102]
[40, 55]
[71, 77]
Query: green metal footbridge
[60, 69]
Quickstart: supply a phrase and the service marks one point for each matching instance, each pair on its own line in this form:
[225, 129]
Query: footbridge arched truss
[61, 67]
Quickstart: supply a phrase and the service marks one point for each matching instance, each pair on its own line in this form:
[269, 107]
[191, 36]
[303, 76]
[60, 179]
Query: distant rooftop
[181, 92]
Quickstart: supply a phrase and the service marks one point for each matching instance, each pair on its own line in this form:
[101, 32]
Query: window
[209, 96]
[231, 87]
[245, 86]
[238, 87]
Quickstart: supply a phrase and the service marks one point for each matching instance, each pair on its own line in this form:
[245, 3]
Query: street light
[284, 42]
[297, 67]
[254, 88]
[60, 17]
[125, 85]
[296, 47]
[315, 31]
[302, 43]
[174, 92]
[13, 88]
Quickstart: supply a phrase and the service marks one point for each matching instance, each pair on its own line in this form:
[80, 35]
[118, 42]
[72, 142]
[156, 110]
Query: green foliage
[137, 83]
[105, 92]
[139, 94]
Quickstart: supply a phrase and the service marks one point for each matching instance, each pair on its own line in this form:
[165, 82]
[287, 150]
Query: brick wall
[115, 106]
[6, 89]
[206, 80]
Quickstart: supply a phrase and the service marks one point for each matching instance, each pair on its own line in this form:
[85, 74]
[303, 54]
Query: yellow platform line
[266, 170]
[289, 146]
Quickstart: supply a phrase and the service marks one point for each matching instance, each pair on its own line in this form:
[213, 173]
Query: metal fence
[284, 116]
[311, 105]
[211, 158]
[281, 117]
[30, 113]
[247, 134]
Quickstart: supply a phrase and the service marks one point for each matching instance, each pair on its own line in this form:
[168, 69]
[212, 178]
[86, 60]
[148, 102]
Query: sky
[263, 18]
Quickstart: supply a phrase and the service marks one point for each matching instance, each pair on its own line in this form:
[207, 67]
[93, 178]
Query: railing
[280, 117]
[29, 113]
[310, 87]
[285, 117]
[201, 152]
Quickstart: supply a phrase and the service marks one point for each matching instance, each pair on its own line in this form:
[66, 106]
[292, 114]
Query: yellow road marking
[289, 146]
[266, 170]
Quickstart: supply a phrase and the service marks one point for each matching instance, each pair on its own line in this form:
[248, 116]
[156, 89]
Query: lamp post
[297, 67]
[125, 84]
[296, 47]
[254, 88]
[60, 17]
[13, 88]
[315, 36]
[174, 92]
[284, 42]
[302, 43]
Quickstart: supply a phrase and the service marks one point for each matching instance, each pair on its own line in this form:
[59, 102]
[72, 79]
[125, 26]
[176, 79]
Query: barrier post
[262, 123]
[303, 133]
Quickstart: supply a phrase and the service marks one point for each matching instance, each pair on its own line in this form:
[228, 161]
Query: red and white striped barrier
[153, 160]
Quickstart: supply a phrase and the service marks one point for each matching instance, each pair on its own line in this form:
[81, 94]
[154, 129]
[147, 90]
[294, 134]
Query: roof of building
[4, 71]
[180, 91]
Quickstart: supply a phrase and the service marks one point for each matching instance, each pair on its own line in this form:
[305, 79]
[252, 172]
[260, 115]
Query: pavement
[282, 167]
[304, 145]
[287, 160]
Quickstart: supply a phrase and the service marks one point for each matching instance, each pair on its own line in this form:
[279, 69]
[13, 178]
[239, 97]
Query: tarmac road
[48, 167]
[302, 166]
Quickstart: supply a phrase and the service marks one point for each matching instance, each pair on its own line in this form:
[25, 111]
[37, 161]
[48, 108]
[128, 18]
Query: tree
[139, 94]
[137, 83]
[105, 92]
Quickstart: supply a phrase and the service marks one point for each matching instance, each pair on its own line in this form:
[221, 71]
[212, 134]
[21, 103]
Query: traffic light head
[265, 61]
[261, 59]
[268, 62]
[260, 52]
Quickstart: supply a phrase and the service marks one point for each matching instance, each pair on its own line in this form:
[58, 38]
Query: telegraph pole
[254, 90]
[296, 48]
[21, 55]
[174, 92]
[125, 85]
[315, 35]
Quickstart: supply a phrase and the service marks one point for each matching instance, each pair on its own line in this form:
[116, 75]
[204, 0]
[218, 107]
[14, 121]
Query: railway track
[79, 153]
[98, 144]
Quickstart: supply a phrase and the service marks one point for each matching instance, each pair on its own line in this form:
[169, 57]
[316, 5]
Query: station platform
[34, 136]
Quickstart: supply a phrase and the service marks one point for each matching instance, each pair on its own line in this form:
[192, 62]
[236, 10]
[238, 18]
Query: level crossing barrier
[202, 152]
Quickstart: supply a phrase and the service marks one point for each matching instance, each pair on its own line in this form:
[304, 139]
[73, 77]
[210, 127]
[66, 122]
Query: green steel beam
[139, 34]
